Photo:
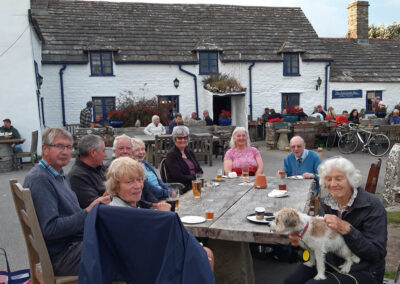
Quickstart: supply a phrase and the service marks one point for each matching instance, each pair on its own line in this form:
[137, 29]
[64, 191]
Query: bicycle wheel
[348, 143]
[379, 145]
[330, 140]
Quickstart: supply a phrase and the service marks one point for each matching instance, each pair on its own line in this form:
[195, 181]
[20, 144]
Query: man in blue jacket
[60, 217]
[302, 161]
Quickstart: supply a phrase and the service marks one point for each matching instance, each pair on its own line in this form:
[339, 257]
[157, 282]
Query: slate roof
[378, 61]
[171, 32]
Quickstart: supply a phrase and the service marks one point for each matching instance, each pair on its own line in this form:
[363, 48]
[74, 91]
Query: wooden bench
[202, 147]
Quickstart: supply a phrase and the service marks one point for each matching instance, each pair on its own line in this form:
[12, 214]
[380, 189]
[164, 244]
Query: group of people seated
[156, 128]
[353, 117]
[63, 201]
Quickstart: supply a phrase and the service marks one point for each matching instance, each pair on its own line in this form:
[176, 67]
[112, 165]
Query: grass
[393, 217]
[390, 274]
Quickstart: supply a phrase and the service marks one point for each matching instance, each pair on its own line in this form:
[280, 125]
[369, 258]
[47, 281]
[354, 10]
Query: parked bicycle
[376, 144]
[335, 135]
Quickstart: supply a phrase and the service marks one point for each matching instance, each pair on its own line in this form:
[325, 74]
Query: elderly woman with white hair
[155, 127]
[356, 215]
[241, 154]
[181, 163]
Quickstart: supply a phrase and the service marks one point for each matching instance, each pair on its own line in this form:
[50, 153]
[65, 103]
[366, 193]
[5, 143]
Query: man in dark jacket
[10, 132]
[207, 118]
[87, 175]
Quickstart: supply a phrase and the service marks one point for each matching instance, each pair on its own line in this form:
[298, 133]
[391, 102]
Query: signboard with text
[346, 94]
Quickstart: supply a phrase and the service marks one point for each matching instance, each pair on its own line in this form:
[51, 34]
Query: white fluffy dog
[316, 237]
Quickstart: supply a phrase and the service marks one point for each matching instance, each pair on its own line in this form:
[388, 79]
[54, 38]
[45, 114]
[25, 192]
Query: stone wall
[392, 176]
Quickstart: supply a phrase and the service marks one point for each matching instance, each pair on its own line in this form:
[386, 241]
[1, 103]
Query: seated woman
[181, 163]
[241, 154]
[356, 215]
[331, 115]
[155, 127]
[125, 178]
[354, 118]
[152, 182]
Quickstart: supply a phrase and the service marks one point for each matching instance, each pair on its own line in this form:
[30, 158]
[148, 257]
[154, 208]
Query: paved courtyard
[267, 271]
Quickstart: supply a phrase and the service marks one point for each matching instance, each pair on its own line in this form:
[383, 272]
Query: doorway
[220, 103]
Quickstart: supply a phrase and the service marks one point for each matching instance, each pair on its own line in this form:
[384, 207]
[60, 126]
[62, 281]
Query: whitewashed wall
[17, 73]
[390, 95]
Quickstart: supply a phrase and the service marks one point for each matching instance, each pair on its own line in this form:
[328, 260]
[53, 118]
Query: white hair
[119, 137]
[239, 128]
[179, 131]
[339, 163]
[396, 110]
[154, 117]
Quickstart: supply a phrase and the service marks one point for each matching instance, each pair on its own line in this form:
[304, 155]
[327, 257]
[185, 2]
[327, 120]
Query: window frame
[291, 97]
[101, 54]
[209, 62]
[170, 98]
[103, 106]
[290, 62]
[376, 92]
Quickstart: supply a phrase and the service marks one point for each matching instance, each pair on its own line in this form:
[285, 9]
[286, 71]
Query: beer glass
[196, 187]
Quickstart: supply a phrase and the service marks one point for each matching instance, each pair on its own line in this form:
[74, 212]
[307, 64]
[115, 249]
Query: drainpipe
[326, 84]
[195, 87]
[62, 92]
[251, 90]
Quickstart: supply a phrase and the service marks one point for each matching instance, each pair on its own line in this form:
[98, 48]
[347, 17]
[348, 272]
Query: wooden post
[320, 152]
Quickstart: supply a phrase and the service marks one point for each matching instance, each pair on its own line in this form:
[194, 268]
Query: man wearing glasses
[302, 162]
[60, 217]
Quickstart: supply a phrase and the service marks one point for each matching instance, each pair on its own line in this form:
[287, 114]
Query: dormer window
[208, 62]
[101, 63]
[291, 64]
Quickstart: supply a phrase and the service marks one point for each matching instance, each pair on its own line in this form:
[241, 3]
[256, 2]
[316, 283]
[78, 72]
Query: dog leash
[338, 271]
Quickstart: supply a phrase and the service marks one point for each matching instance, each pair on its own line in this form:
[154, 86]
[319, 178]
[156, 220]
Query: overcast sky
[328, 17]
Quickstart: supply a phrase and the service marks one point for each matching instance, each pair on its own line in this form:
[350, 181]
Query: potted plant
[224, 118]
[116, 118]
[380, 110]
[291, 114]
[222, 83]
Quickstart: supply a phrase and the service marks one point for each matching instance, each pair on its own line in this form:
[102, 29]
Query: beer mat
[268, 217]
[278, 193]
[295, 177]
[193, 219]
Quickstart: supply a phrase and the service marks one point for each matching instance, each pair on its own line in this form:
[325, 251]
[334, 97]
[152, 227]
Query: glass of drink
[282, 181]
[209, 209]
[245, 172]
[219, 174]
[173, 198]
[196, 187]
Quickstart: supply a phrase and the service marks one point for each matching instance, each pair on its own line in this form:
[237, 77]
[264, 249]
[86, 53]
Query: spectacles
[60, 147]
[182, 137]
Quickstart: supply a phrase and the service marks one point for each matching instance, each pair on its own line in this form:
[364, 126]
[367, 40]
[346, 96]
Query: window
[101, 63]
[291, 99]
[102, 106]
[172, 103]
[208, 62]
[371, 96]
[291, 64]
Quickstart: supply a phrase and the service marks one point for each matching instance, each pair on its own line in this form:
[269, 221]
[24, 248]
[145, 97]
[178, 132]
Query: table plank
[233, 224]
[12, 141]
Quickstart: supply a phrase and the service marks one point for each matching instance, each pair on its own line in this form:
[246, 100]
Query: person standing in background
[86, 115]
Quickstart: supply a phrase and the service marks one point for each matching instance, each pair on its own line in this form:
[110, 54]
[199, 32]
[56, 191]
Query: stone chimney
[358, 21]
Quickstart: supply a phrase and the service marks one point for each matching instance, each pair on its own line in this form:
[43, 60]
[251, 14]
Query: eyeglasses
[182, 137]
[60, 147]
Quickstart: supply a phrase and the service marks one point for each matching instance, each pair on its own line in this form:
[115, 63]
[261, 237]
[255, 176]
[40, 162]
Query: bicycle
[376, 144]
[335, 135]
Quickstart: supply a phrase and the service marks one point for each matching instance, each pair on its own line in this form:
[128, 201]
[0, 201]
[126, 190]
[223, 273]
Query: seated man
[265, 115]
[207, 118]
[60, 217]
[174, 122]
[344, 118]
[87, 175]
[7, 131]
[302, 161]
[123, 147]
[395, 119]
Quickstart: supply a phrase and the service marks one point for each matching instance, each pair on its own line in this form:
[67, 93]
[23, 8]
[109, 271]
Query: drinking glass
[245, 173]
[219, 174]
[209, 209]
[196, 187]
[173, 198]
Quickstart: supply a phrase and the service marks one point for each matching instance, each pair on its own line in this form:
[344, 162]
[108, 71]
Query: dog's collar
[304, 231]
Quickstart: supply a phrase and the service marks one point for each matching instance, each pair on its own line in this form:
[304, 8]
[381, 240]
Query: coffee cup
[260, 212]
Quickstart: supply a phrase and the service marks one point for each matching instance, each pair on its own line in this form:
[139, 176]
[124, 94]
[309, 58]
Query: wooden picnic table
[12, 141]
[232, 203]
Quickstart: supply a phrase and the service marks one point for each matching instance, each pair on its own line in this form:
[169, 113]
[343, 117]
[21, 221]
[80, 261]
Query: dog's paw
[355, 258]
[309, 264]
[320, 277]
[345, 267]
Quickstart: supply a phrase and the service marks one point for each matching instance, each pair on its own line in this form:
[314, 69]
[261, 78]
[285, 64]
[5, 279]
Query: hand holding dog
[337, 224]
[294, 239]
